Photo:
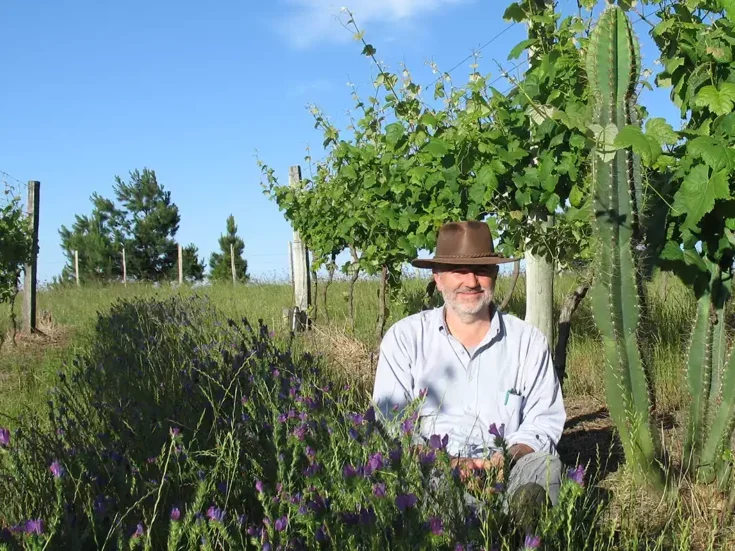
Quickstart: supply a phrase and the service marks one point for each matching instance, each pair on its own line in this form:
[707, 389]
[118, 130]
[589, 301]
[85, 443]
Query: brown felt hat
[462, 243]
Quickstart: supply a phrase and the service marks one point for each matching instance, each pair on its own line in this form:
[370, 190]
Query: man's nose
[470, 279]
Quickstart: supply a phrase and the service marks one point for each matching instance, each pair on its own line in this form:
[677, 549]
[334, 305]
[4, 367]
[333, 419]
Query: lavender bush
[180, 429]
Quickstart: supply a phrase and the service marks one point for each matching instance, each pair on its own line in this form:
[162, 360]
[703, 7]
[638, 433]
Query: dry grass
[349, 359]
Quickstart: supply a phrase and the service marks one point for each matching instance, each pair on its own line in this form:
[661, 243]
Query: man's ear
[436, 275]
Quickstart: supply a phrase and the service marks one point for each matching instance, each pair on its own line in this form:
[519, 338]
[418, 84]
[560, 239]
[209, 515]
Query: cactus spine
[613, 68]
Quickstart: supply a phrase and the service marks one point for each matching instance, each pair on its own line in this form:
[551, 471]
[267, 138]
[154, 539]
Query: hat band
[476, 255]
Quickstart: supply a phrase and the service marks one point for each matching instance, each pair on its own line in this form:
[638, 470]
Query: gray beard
[464, 311]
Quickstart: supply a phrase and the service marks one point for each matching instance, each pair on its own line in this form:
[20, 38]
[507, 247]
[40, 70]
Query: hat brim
[459, 261]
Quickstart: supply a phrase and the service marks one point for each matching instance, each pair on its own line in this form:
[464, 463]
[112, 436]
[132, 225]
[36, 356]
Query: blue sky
[191, 90]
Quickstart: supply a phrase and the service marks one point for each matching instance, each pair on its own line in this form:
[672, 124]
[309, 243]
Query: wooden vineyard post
[30, 272]
[300, 256]
[125, 269]
[232, 262]
[181, 267]
[76, 266]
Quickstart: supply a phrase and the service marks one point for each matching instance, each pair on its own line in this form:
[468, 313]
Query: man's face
[466, 289]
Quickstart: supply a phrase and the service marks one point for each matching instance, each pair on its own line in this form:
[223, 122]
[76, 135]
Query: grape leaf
[712, 151]
[393, 133]
[514, 12]
[576, 196]
[486, 177]
[698, 193]
[719, 101]
[661, 130]
[604, 139]
[369, 50]
[520, 47]
[438, 148]
[645, 146]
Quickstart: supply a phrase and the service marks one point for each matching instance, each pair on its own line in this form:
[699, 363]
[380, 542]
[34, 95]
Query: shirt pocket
[512, 412]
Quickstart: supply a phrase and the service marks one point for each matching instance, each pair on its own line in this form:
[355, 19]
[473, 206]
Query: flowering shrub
[177, 429]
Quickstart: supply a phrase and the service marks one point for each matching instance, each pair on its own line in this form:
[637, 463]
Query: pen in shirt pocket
[509, 392]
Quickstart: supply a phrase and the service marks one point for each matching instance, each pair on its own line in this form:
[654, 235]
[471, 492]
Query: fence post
[76, 266]
[300, 256]
[125, 269]
[232, 262]
[181, 267]
[30, 272]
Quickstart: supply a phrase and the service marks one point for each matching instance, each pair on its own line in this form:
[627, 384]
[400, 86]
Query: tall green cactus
[712, 413]
[613, 69]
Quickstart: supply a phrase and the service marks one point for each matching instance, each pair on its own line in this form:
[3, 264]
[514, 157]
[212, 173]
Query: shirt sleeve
[393, 387]
[543, 414]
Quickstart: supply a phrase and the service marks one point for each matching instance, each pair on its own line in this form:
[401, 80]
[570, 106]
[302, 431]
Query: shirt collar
[495, 323]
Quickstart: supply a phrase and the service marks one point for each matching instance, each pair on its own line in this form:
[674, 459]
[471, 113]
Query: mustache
[470, 289]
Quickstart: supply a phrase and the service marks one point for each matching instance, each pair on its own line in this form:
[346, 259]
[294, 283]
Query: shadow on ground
[589, 439]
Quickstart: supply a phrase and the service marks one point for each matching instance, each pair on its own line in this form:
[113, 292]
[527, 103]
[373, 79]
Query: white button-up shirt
[509, 380]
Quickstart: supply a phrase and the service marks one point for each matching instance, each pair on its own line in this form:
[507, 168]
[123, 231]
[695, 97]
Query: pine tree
[98, 240]
[191, 266]
[219, 263]
[151, 222]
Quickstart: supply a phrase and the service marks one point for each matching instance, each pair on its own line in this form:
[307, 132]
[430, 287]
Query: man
[478, 367]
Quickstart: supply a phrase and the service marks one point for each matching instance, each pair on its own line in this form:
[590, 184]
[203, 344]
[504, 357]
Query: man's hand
[468, 466]
[517, 451]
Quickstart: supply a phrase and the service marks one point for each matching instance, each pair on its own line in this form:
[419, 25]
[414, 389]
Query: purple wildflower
[439, 443]
[379, 489]
[139, 531]
[497, 432]
[244, 400]
[310, 452]
[577, 474]
[266, 546]
[175, 431]
[407, 426]
[34, 527]
[376, 461]
[349, 471]
[358, 419]
[406, 501]
[395, 455]
[4, 437]
[367, 516]
[423, 392]
[321, 534]
[175, 514]
[436, 525]
[276, 373]
[281, 524]
[57, 469]
[222, 487]
[215, 514]
[427, 458]
[291, 413]
[370, 415]
[531, 542]
[353, 434]
[282, 418]
[300, 431]
[259, 486]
